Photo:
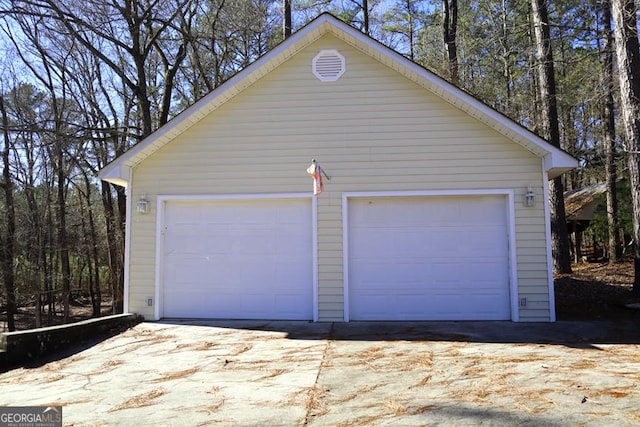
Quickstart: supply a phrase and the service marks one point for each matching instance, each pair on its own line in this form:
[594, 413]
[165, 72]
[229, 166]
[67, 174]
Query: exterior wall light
[530, 198]
[143, 204]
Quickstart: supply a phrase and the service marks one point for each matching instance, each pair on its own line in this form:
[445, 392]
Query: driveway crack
[315, 405]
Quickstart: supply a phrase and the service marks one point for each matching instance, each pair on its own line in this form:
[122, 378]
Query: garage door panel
[181, 263]
[297, 268]
[182, 309]
[239, 259]
[384, 274]
[428, 258]
[486, 271]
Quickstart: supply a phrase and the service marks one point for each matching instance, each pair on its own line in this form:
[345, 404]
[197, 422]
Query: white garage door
[238, 259]
[428, 258]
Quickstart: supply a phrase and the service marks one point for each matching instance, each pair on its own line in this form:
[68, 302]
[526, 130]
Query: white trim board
[510, 215]
[127, 246]
[547, 236]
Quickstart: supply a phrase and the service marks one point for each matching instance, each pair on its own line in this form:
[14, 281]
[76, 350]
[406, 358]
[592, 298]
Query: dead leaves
[140, 400]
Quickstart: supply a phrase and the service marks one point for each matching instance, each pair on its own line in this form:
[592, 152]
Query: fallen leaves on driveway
[140, 400]
[337, 375]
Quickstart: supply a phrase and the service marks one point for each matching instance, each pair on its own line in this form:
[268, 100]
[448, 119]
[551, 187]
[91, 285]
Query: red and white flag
[316, 173]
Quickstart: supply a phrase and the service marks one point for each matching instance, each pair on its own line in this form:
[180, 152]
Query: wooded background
[83, 81]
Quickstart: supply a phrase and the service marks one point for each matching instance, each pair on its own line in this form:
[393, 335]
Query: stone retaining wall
[21, 346]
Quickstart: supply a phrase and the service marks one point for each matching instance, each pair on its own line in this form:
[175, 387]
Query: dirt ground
[594, 291]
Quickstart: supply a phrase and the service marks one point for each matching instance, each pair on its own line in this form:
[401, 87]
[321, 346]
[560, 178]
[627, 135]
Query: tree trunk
[286, 26]
[97, 292]
[8, 249]
[365, 16]
[63, 241]
[92, 243]
[610, 137]
[506, 58]
[550, 130]
[449, 30]
[628, 56]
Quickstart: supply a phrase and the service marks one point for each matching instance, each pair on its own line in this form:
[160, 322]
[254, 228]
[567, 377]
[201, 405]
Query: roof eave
[115, 173]
[557, 162]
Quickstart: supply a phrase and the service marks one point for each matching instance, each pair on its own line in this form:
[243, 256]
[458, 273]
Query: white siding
[372, 130]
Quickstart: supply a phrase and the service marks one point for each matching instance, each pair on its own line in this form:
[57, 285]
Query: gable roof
[556, 161]
[580, 204]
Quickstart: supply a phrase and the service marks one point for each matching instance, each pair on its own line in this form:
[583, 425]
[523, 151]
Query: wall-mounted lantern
[529, 198]
[143, 204]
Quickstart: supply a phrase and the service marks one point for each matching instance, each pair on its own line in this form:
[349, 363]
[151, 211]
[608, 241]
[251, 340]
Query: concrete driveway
[324, 374]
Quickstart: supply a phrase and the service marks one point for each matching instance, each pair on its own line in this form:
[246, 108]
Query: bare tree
[130, 31]
[550, 130]
[7, 255]
[50, 74]
[28, 111]
[610, 148]
[628, 58]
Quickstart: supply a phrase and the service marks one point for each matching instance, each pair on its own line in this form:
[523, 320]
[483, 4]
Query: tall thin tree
[551, 131]
[628, 58]
[365, 16]
[610, 135]
[286, 25]
[8, 242]
[449, 32]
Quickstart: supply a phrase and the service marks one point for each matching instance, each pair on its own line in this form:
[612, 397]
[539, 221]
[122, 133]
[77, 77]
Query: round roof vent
[328, 65]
